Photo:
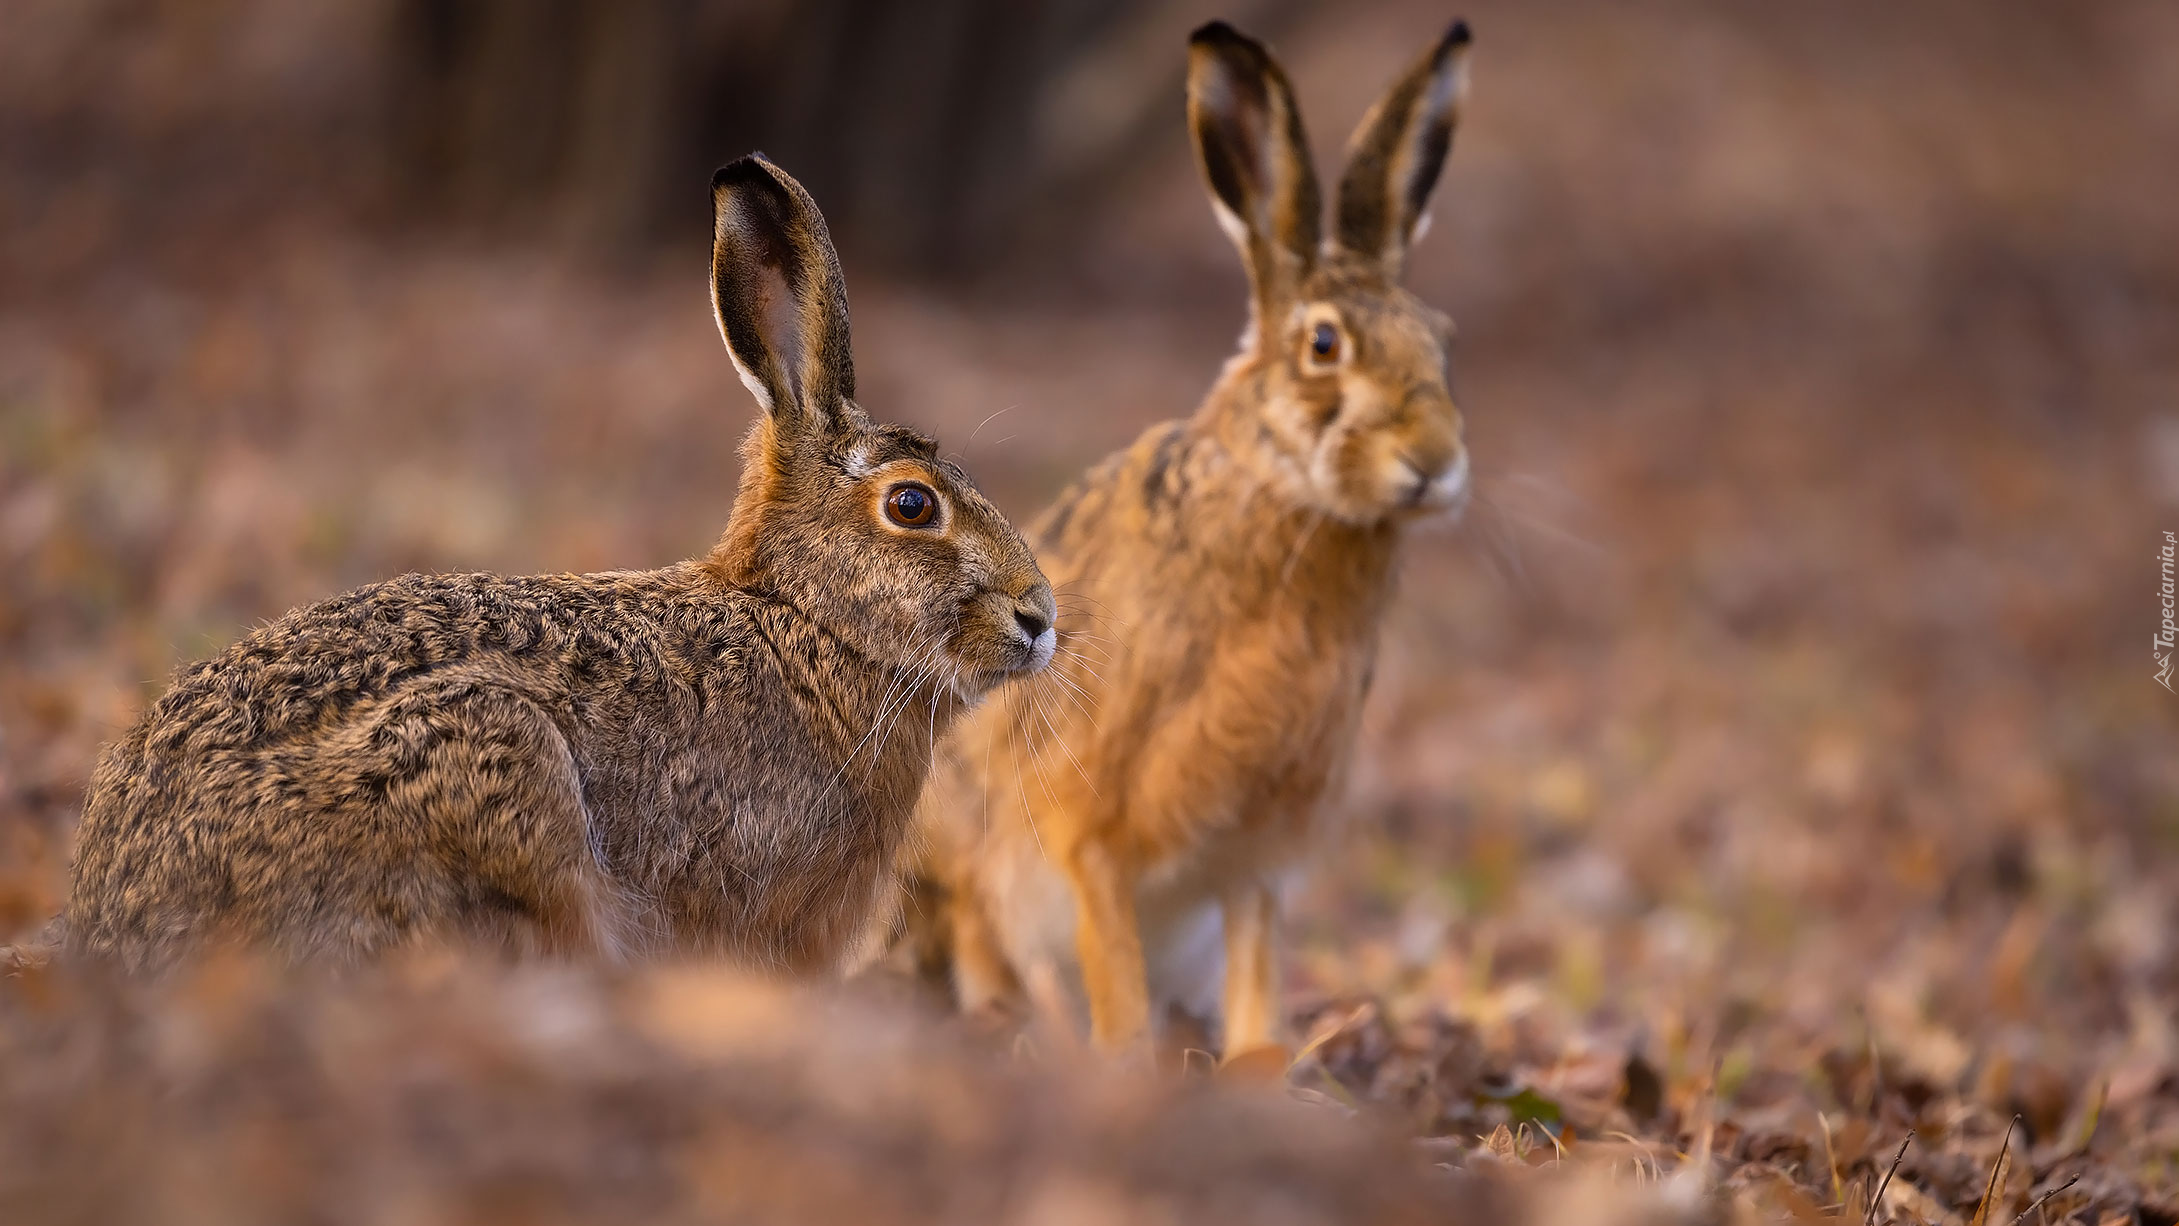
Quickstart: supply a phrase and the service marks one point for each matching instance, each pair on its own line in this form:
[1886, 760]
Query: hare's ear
[1255, 159]
[776, 289]
[1395, 155]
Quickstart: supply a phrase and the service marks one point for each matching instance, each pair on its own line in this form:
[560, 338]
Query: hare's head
[861, 526]
[1351, 369]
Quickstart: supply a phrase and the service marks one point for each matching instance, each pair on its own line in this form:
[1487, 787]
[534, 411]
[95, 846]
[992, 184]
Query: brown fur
[1222, 582]
[721, 755]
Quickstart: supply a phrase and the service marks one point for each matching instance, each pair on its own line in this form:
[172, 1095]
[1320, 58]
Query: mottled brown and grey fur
[1129, 817]
[719, 756]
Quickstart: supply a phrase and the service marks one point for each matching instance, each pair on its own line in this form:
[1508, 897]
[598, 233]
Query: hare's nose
[1033, 622]
[1434, 477]
[1035, 611]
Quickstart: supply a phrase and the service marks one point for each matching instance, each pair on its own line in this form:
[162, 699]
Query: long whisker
[1072, 614]
[932, 738]
[1084, 632]
[1075, 704]
[883, 701]
[1076, 686]
[1286, 573]
[1079, 769]
[1036, 764]
[1076, 655]
[1079, 599]
[1071, 626]
[985, 422]
[883, 704]
[1081, 596]
[1093, 638]
[1072, 705]
[1504, 550]
[1542, 526]
[1486, 492]
[1071, 643]
[1028, 815]
[889, 715]
[900, 708]
[983, 787]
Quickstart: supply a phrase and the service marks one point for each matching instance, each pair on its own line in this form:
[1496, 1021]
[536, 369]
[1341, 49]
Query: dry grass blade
[2040, 1201]
[1869, 1218]
[1325, 1034]
[1998, 1168]
[1831, 1161]
[1706, 1131]
[1876, 1064]
[2082, 1130]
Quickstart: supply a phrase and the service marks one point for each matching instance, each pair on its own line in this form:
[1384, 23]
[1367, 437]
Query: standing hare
[719, 756]
[1225, 577]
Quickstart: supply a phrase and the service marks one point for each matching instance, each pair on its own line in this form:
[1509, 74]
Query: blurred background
[1781, 714]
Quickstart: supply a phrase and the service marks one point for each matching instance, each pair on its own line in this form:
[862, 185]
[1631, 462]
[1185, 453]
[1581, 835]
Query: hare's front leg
[982, 977]
[1108, 941]
[1251, 1006]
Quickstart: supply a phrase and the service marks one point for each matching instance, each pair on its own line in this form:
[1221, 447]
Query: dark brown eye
[911, 506]
[1324, 344]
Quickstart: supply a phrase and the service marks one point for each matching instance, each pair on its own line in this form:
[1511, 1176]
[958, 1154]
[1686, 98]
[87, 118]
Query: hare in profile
[1222, 579]
[720, 756]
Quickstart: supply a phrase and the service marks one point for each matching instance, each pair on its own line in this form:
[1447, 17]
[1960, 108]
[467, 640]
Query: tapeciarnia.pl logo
[2168, 633]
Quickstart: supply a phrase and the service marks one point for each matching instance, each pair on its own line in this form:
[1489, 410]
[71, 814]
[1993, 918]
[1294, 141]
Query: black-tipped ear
[1395, 155]
[776, 289]
[1255, 158]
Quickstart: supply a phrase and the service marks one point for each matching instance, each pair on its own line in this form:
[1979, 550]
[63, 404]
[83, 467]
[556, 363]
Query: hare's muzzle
[1438, 484]
[1036, 615]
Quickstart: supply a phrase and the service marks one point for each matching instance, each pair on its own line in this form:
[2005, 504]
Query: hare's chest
[1238, 767]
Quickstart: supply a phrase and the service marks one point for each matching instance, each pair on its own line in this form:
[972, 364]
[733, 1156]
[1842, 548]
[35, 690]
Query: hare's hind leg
[500, 802]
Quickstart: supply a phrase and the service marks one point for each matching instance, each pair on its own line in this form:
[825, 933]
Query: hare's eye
[911, 505]
[1324, 345]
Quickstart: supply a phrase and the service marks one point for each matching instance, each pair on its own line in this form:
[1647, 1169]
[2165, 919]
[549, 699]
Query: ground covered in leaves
[1767, 769]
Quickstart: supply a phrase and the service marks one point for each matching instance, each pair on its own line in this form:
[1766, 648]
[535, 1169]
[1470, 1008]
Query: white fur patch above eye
[858, 463]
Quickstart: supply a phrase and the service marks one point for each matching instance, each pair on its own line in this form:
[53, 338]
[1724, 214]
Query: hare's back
[301, 674]
[285, 760]
[575, 647]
